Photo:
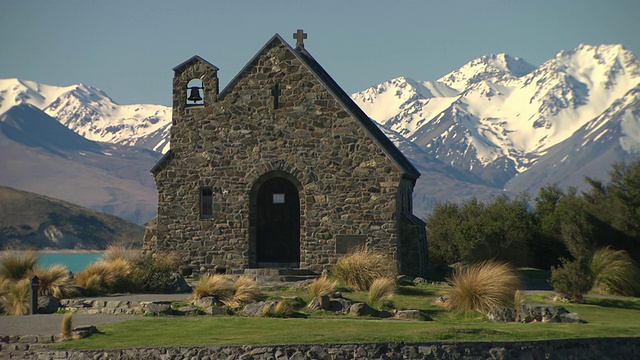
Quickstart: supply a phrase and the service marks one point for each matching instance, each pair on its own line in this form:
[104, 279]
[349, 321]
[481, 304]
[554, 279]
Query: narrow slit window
[206, 203]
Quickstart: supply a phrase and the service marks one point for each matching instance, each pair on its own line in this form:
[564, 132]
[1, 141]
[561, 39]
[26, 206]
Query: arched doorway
[277, 223]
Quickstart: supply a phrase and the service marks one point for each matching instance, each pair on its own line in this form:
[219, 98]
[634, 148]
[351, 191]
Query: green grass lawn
[610, 317]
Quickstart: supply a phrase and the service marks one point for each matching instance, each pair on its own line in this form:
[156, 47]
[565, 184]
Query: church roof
[338, 93]
[192, 59]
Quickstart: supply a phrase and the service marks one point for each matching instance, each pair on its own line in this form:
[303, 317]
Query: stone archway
[275, 221]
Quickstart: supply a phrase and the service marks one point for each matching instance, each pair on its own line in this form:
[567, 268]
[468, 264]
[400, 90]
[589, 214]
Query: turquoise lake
[74, 262]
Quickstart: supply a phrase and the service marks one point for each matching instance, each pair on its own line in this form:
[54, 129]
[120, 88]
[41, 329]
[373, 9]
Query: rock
[157, 308]
[384, 314]
[502, 314]
[258, 309]
[189, 311]
[362, 309]
[408, 314]
[48, 304]
[217, 310]
[177, 284]
[570, 318]
[319, 303]
[540, 312]
[206, 302]
[339, 305]
[80, 332]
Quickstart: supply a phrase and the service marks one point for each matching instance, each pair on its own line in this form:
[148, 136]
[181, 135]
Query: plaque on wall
[347, 243]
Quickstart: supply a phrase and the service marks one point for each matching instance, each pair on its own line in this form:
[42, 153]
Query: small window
[206, 203]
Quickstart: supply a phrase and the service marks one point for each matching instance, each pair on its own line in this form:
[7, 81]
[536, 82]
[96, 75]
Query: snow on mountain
[91, 113]
[498, 115]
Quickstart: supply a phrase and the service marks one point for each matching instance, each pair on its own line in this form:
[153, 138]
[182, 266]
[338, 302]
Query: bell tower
[195, 84]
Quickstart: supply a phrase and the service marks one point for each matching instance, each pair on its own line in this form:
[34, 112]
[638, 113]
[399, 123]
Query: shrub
[152, 273]
[614, 273]
[16, 298]
[482, 286]
[54, 280]
[282, 309]
[381, 291]
[216, 286]
[15, 265]
[120, 251]
[571, 280]
[105, 276]
[245, 291]
[322, 286]
[361, 267]
[67, 325]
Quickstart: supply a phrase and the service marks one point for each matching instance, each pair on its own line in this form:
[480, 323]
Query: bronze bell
[194, 95]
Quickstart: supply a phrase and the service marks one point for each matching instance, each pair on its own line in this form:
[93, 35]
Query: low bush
[361, 267]
[16, 265]
[572, 279]
[120, 251]
[245, 291]
[105, 277]
[282, 309]
[67, 326]
[614, 273]
[381, 291]
[56, 280]
[16, 297]
[322, 286]
[482, 286]
[152, 273]
[216, 286]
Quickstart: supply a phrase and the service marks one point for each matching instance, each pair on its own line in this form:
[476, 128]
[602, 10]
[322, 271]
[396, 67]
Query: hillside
[36, 221]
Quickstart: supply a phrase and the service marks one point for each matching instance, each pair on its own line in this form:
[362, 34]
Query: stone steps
[280, 274]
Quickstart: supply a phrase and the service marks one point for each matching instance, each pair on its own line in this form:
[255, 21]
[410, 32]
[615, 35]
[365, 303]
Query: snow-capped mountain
[498, 115]
[91, 113]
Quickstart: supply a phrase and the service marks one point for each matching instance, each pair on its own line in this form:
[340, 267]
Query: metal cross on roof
[299, 35]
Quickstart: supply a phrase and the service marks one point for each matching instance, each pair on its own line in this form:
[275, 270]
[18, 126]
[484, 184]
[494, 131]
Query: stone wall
[349, 185]
[584, 349]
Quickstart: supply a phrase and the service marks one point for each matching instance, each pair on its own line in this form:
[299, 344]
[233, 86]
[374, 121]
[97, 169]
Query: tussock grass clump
[105, 276]
[245, 291]
[121, 251]
[282, 309]
[67, 326]
[482, 286]
[381, 291]
[614, 273]
[54, 280]
[361, 267]
[216, 286]
[16, 265]
[322, 286]
[16, 297]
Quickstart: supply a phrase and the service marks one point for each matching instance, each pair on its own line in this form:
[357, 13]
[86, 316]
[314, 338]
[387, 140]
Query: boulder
[408, 314]
[545, 313]
[217, 310]
[48, 304]
[362, 309]
[206, 302]
[81, 332]
[339, 305]
[157, 308]
[260, 308]
[189, 311]
[177, 284]
[319, 303]
[502, 314]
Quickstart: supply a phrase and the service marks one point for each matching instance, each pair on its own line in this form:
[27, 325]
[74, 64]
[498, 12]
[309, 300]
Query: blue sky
[128, 48]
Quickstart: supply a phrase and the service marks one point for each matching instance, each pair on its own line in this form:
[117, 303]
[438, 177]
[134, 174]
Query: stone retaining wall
[600, 348]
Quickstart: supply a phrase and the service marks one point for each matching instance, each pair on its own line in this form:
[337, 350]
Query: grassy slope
[601, 318]
[24, 216]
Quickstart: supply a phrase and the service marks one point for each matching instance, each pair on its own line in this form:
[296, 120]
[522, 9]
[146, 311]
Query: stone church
[281, 169]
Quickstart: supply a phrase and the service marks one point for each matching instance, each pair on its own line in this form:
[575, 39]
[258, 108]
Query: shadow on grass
[631, 304]
[415, 291]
